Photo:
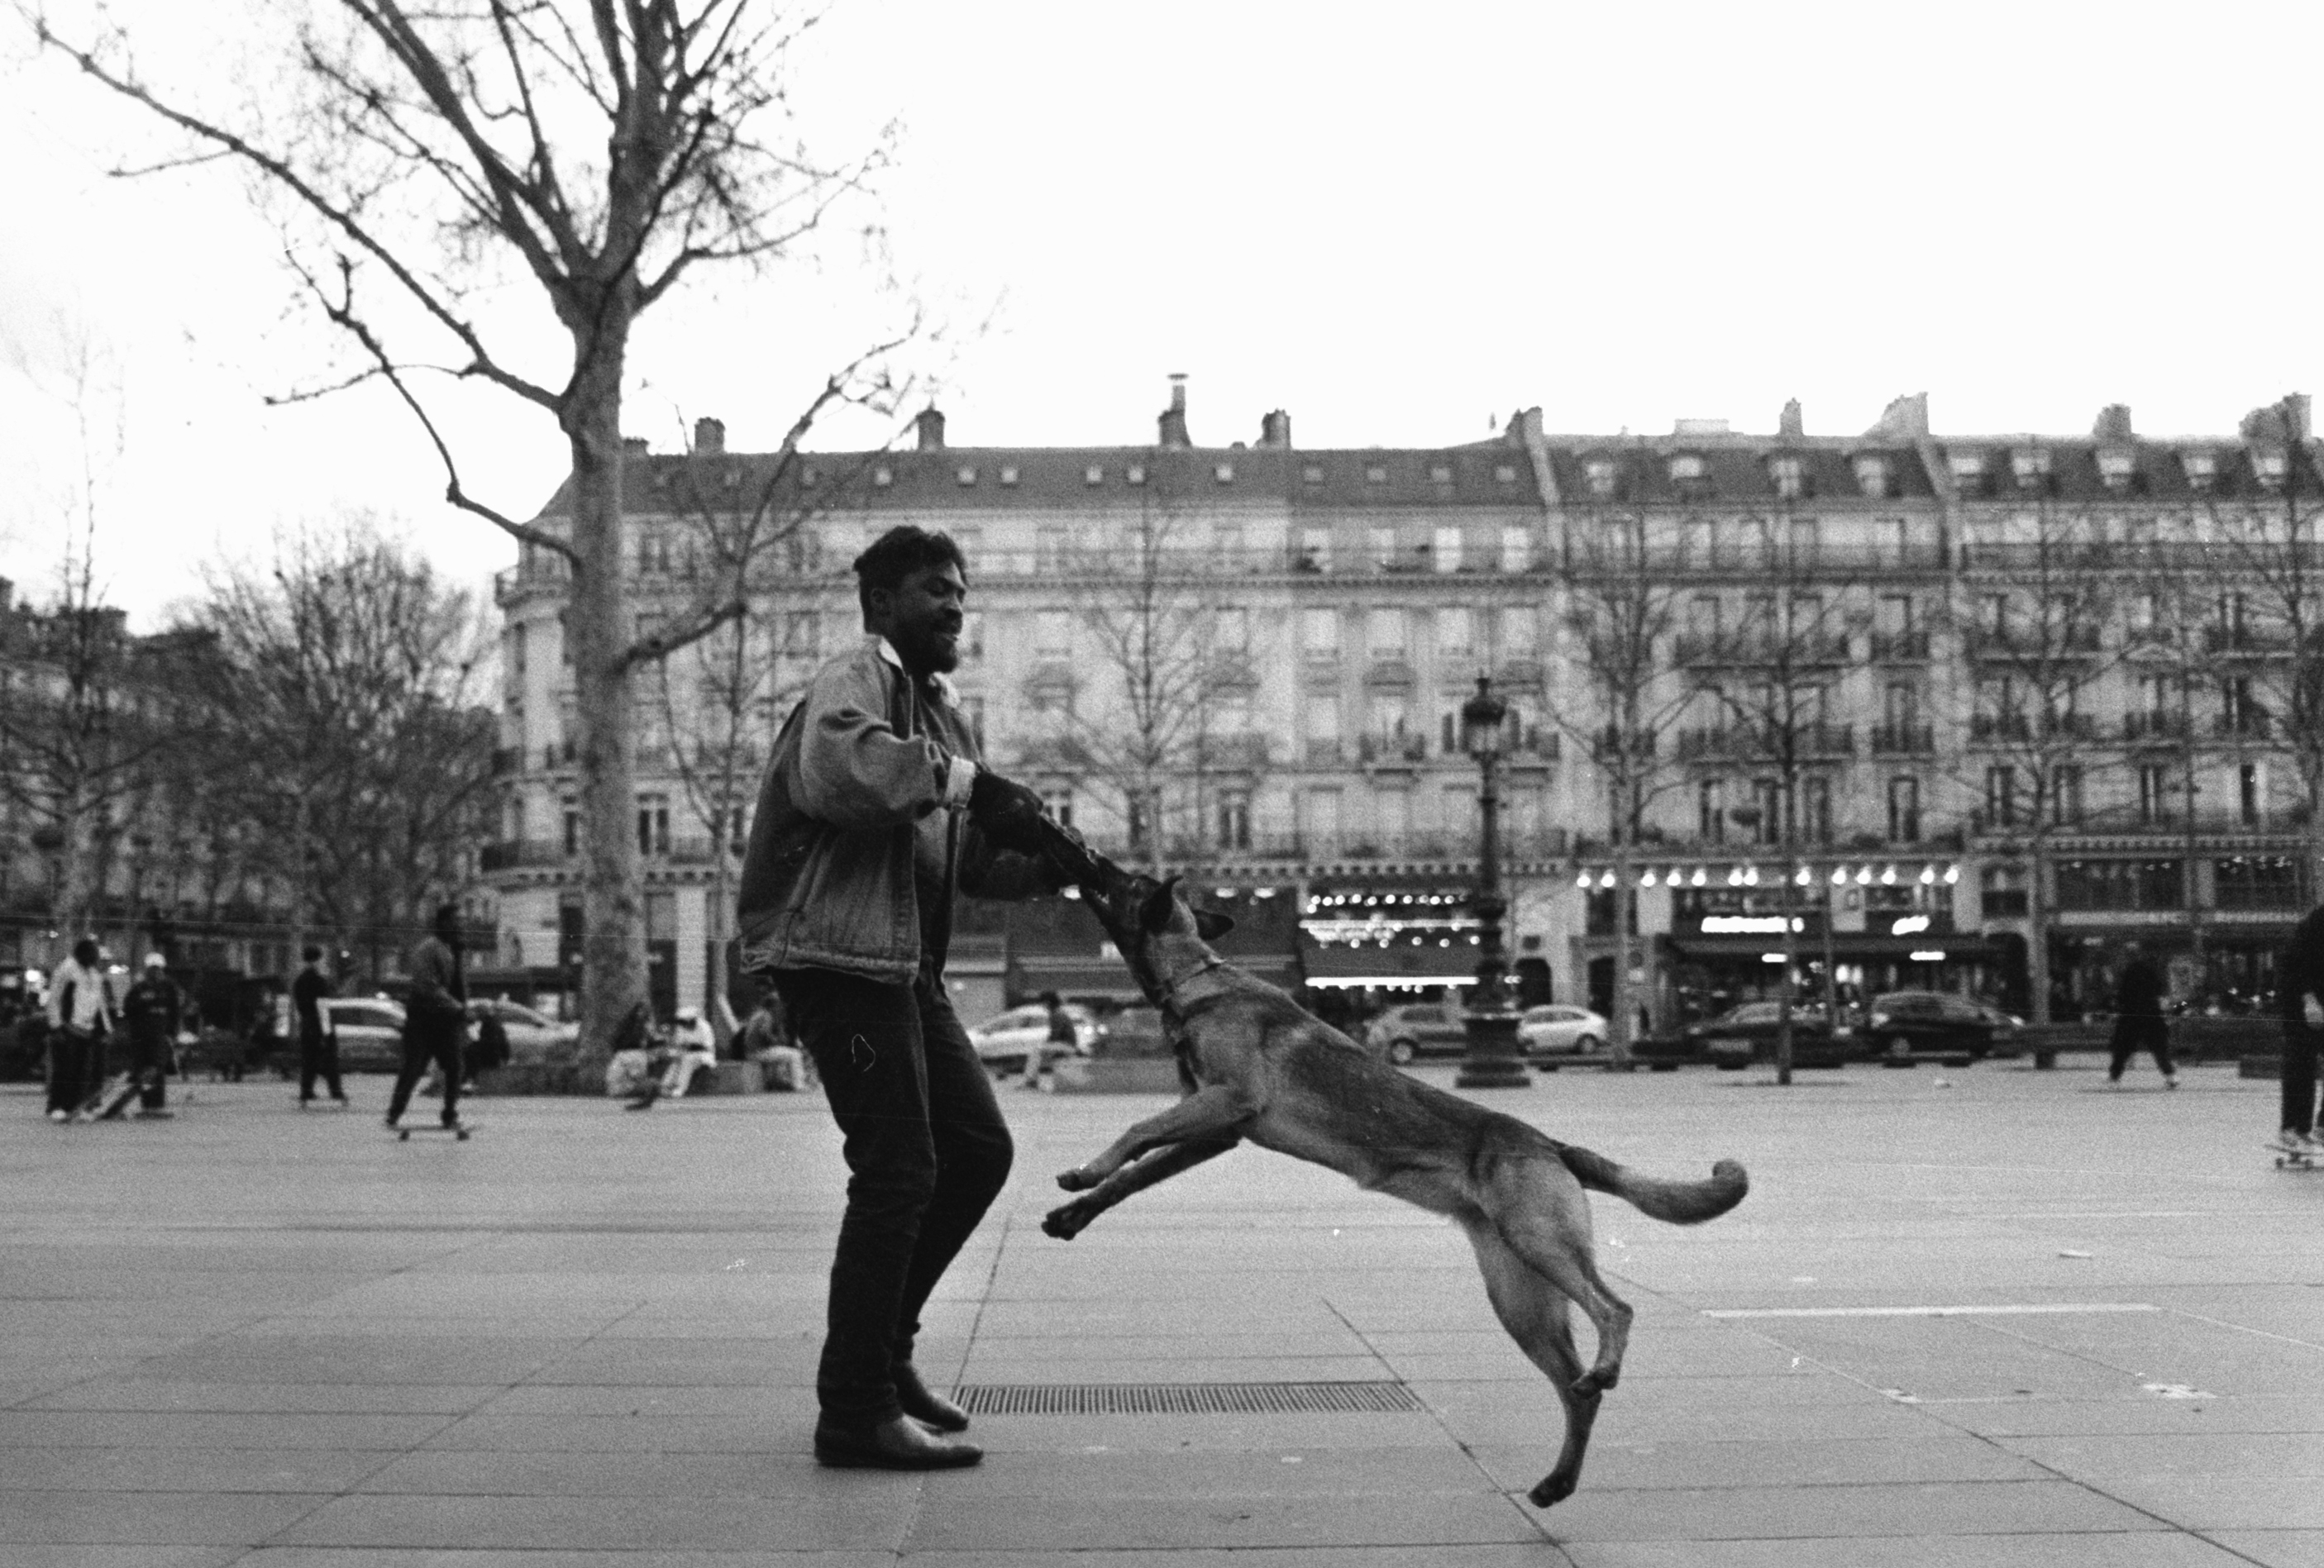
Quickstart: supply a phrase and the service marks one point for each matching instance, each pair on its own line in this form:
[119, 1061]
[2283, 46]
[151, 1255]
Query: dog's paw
[1593, 1383]
[1077, 1180]
[1550, 1489]
[1064, 1223]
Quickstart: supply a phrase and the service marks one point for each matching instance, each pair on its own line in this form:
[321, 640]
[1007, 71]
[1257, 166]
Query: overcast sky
[1395, 222]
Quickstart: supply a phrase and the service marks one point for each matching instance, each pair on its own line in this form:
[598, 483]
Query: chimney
[1905, 419]
[1792, 426]
[929, 425]
[633, 446]
[1275, 429]
[2297, 402]
[1172, 422]
[2113, 423]
[7, 594]
[709, 437]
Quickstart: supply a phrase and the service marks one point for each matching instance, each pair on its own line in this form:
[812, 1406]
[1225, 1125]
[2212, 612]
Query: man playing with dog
[875, 810]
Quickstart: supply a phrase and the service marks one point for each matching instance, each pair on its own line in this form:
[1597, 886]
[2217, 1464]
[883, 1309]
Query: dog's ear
[1155, 914]
[1209, 925]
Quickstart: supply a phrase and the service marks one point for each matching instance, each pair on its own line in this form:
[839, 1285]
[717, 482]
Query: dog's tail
[1678, 1203]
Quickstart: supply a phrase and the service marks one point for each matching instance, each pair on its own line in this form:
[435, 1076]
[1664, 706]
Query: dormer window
[967, 475]
[1505, 473]
[2269, 466]
[1312, 473]
[1872, 473]
[1223, 473]
[1376, 475]
[2117, 466]
[1440, 474]
[1008, 474]
[1968, 467]
[1598, 474]
[2202, 468]
[810, 476]
[882, 476]
[1135, 473]
[1789, 475]
[2031, 465]
[1092, 474]
[1685, 468]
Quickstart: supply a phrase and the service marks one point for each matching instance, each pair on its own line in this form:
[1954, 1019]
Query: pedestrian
[2299, 998]
[1063, 1040]
[435, 1017]
[319, 1046]
[2138, 1020]
[874, 812]
[80, 1017]
[152, 1011]
[692, 1047]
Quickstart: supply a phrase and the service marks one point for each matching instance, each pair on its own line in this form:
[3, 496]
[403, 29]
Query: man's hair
[897, 554]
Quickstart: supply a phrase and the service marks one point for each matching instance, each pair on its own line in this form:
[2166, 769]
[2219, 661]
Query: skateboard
[109, 1101]
[2286, 1160]
[433, 1128]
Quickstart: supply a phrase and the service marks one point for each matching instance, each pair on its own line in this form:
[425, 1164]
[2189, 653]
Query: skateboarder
[80, 1016]
[435, 1017]
[319, 1048]
[2138, 1020]
[152, 1010]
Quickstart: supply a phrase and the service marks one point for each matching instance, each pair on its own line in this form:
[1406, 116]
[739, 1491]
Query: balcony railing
[559, 754]
[1457, 847]
[1903, 740]
[1608, 744]
[512, 854]
[1762, 743]
[1757, 650]
[1900, 647]
[2245, 639]
[2034, 644]
[1392, 748]
[1244, 750]
[2154, 725]
[1989, 728]
[2246, 727]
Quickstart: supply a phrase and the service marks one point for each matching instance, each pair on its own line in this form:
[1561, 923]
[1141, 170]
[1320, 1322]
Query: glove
[1008, 815]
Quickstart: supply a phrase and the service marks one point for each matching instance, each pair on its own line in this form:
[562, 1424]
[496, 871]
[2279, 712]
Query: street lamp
[1491, 1061]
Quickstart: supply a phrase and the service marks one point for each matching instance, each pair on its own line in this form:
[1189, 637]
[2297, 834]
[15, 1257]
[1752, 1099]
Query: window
[1135, 473]
[2250, 790]
[1505, 473]
[1520, 634]
[2003, 891]
[1057, 800]
[1448, 550]
[2202, 468]
[1517, 549]
[2116, 466]
[2066, 794]
[967, 475]
[1322, 721]
[1967, 468]
[1007, 474]
[2000, 796]
[1685, 468]
[1376, 475]
[2031, 465]
[2256, 881]
[1815, 808]
[1391, 714]
[1323, 823]
[1315, 549]
[1872, 473]
[1233, 819]
[1383, 547]
[1385, 630]
[1767, 799]
[1312, 473]
[1223, 473]
[1710, 811]
[1453, 630]
[2155, 794]
[1319, 634]
[1904, 810]
[571, 812]
[2118, 885]
[882, 476]
[1226, 543]
[1233, 713]
[1440, 473]
[1051, 549]
[1902, 709]
[1599, 476]
[653, 824]
[1788, 473]
[1093, 474]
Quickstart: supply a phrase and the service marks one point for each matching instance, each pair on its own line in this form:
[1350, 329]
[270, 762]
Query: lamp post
[1491, 1061]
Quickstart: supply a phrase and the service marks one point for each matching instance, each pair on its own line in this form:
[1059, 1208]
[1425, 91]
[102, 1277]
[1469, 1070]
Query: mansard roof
[2075, 469]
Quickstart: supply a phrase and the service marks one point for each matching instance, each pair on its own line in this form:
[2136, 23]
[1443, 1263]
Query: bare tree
[597, 153]
[1621, 615]
[1140, 720]
[354, 740]
[1777, 665]
[2036, 600]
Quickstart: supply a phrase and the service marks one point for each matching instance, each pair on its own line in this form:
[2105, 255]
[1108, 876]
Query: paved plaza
[250, 1335]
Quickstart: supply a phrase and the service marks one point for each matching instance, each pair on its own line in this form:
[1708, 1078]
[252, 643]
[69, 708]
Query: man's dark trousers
[926, 1152]
[426, 1040]
[319, 1057]
[71, 1056]
[2299, 1077]
[2133, 1033]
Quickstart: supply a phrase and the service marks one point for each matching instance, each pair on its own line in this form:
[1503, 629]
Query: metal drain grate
[1184, 1398]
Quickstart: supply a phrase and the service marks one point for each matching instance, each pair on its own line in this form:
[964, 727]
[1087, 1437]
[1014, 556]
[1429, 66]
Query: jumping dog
[1258, 1066]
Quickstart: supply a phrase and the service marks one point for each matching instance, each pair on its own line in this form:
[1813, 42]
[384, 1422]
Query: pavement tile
[147, 1518]
[1925, 1456]
[1230, 1521]
[184, 1470]
[264, 1429]
[1530, 1555]
[837, 1520]
[615, 1557]
[2154, 1549]
[1291, 1472]
[2276, 1548]
[286, 1398]
[1936, 1508]
[788, 1432]
[59, 1557]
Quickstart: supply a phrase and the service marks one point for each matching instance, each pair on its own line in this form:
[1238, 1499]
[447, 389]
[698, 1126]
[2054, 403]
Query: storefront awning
[1368, 964]
[1109, 980]
[1846, 946]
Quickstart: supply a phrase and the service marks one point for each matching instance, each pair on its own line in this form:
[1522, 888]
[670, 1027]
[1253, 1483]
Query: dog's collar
[1174, 1012]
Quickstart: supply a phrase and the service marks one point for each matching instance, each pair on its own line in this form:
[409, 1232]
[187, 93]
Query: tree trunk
[1618, 1028]
[599, 627]
[77, 887]
[2037, 928]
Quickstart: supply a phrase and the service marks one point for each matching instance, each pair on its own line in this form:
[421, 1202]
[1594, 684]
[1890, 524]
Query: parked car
[369, 1031]
[1746, 1034]
[1006, 1041]
[1932, 1021]
[1417, 1029]
[530, 1034]
[1554, 1030]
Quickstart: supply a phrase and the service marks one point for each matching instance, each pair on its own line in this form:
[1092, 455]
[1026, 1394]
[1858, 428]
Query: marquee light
[1698, 879]
[1929, 955]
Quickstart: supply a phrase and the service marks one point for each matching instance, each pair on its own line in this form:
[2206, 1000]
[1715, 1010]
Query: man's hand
[2313, 1009]
[1008, 813]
